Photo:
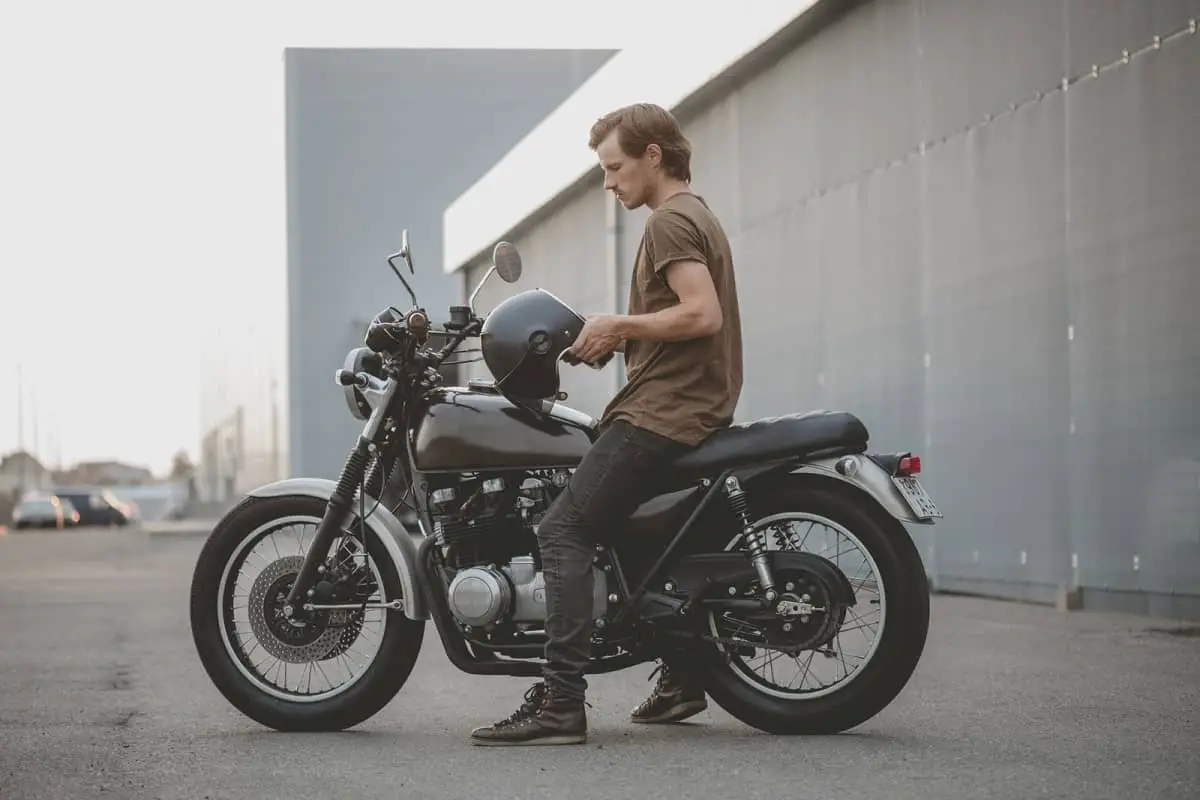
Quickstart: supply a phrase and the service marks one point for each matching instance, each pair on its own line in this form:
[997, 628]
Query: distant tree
[181, 465]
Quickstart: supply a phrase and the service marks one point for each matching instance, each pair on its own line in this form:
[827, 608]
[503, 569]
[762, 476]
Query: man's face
[632, 180]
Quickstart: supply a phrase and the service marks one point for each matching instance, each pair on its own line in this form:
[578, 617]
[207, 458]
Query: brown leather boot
[545, 717]
[675, 698]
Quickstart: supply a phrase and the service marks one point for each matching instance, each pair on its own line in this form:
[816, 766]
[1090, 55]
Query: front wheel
[329, 671]
[845, 664]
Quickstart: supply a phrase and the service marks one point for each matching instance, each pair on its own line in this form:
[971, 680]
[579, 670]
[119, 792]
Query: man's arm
[697, 314]
[678, 257]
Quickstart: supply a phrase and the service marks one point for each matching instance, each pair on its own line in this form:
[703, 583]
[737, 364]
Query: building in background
[377, 141]
[972, 224]
[104, 473]
[21, 473]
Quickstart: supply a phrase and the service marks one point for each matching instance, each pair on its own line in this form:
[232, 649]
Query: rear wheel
[843, 664]
[330, 671]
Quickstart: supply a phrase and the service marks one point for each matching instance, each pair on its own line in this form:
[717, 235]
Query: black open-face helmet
[522, 341]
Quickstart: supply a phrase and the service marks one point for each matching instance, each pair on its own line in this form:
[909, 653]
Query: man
[683, 359]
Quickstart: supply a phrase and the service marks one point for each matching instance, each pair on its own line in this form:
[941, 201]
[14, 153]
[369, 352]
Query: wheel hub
[806, 618]
[295, 640]
[810, 609]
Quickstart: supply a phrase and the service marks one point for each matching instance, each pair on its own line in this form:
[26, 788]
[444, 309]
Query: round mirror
[405, 251]
[507, 261]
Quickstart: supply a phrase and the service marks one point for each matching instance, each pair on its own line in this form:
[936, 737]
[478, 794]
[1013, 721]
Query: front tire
[400, 643]
[878, 681]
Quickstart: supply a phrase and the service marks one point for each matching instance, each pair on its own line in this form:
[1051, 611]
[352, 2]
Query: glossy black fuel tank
[476, 429]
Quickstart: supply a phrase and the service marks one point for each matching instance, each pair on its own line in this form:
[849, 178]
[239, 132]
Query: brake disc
[290, 640]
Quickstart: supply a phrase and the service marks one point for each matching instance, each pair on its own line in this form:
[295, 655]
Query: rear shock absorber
[756, 540]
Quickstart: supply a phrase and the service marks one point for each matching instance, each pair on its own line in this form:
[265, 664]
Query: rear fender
[859, 472]
[399, 543]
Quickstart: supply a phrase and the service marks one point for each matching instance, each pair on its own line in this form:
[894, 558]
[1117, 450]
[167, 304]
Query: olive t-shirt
[681, 390]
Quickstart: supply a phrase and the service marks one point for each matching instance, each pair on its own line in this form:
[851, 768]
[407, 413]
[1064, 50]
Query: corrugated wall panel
[997, 342]
[1134, 250]
[1101, 29]
[992, 270]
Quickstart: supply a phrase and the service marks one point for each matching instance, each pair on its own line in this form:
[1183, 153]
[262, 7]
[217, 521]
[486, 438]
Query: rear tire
[399, 646]
[878, 682]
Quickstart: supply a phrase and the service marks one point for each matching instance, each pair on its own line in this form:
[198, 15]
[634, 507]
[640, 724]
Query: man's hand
[599, 337]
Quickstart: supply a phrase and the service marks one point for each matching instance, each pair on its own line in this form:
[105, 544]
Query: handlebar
[468, 325]
[471, 328]
[347, 378]
[363, 381]
[462, 325]
[569, 358]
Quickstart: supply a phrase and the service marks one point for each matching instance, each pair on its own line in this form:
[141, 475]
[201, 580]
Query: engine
[486, 526]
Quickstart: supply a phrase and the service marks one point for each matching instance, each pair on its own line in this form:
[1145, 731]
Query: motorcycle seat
[806, 434]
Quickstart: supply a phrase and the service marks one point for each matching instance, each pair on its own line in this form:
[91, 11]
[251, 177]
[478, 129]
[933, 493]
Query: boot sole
[575, 738]
[675, 713]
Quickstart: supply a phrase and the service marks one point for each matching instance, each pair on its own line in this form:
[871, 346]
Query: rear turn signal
[909, 465]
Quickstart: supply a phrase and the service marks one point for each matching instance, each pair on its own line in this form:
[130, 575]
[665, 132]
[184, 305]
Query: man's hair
[642, 124]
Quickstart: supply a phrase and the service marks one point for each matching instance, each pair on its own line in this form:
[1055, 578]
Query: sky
[142, 151]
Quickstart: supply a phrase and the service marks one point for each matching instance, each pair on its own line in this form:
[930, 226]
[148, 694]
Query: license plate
[918, 499]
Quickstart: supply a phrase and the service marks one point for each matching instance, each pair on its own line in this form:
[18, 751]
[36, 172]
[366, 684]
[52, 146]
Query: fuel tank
[477, 429]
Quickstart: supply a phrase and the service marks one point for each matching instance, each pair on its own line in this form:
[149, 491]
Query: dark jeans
[614, 478]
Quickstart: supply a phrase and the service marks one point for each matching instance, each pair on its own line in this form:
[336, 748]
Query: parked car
[97, 507]
[45, 512]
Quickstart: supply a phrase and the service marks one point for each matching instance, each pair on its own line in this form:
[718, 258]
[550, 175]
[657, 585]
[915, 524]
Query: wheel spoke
[841, 549]
[259, 575]
[807, 667]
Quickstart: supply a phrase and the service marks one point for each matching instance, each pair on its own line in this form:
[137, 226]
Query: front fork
[337, 510]
[756, 539]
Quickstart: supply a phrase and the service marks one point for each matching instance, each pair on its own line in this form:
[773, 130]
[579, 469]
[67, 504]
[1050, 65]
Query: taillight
[909, 465]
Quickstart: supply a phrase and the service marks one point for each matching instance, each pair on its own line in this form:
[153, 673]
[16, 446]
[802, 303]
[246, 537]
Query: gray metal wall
[377, 141]
[565, 254]
[994, 270]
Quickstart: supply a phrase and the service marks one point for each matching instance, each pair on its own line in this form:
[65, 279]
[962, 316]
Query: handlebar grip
[347, 378]
[600, 363]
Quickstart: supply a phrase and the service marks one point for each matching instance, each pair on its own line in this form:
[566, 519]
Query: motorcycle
[776, 542]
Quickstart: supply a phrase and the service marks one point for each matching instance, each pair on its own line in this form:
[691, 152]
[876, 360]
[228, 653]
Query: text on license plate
[918, 499]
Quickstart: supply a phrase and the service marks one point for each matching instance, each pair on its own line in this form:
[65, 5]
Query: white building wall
[564, 254]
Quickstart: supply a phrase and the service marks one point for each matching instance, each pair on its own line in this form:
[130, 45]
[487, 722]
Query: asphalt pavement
[101, 695]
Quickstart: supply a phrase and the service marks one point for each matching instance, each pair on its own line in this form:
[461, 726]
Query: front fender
[399, 543]
[870, 478]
